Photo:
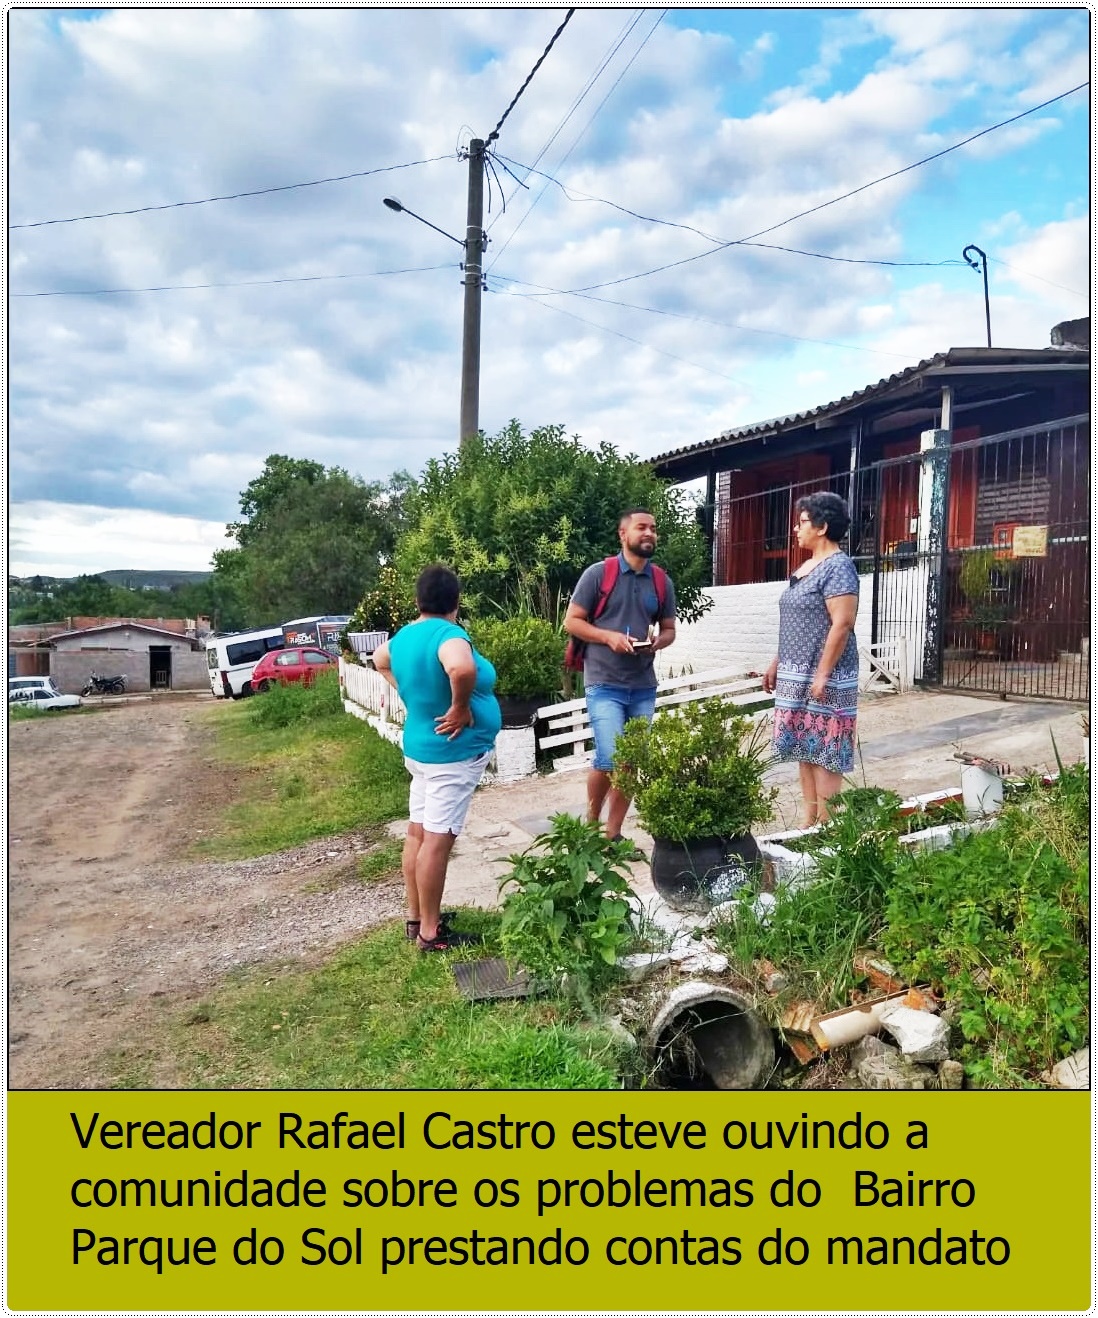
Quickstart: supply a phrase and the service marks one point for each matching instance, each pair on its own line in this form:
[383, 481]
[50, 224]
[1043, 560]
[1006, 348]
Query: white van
[231, 659]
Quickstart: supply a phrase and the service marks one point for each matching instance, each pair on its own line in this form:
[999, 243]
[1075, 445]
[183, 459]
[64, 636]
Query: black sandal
[411, 927]
[445, 941]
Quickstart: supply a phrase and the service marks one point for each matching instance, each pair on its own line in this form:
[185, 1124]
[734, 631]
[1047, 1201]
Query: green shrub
[520, 515]
[998, 921]
[696, 772]
[526, 652]
[567, 911]
[280, 705]
[387, 607]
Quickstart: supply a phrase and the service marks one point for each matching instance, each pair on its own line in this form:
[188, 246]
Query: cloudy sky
[156, 357]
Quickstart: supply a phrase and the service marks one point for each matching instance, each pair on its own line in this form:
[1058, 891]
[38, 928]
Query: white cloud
[1056, 255]
[62, 540]
[166, 404]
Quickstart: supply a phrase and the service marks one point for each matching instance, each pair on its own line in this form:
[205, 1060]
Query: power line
[579, 98]
[850, 260]
[583, 130]
[240, 283]
[494, 134]
[674, 224]
[231, 196]
[1051, 282]
[625, 279]
[701, 320]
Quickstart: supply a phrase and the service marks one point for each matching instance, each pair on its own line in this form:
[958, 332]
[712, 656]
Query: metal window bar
[1036, 635]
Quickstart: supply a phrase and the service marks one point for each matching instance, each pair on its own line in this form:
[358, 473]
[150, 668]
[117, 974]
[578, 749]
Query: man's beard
[643, 549]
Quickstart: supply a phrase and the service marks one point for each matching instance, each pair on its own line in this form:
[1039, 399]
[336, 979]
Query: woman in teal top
[450, 730]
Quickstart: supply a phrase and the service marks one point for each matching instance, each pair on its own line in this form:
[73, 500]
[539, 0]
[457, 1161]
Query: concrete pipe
[707, 1034]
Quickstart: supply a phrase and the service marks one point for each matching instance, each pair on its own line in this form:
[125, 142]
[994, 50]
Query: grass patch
[20, 711]
[297, 768]
[381, 1015]
[381, 861]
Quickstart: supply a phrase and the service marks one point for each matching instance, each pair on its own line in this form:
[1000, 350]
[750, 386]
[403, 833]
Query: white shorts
[441, 793]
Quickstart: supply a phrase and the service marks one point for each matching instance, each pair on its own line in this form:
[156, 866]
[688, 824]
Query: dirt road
[110, 929]
[108, 926]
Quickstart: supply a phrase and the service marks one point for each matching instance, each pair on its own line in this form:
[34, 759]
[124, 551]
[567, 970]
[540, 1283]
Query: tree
[519, 517]
[310, 540]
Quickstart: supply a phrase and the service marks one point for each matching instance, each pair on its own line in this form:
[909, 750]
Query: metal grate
[492, 978]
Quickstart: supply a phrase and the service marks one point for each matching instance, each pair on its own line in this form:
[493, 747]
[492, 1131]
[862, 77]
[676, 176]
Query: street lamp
[474, 244]
[395, 205]
[976, 265]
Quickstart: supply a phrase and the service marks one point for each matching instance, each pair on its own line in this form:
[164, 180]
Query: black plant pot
[701, 873]
[518, 712]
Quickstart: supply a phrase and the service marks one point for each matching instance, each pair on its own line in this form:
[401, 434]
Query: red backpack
[575, 649]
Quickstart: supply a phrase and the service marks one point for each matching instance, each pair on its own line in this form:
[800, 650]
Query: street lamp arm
[395, 205]
[981, 265]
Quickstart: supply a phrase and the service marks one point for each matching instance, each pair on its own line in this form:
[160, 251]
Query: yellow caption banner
[580, 1201]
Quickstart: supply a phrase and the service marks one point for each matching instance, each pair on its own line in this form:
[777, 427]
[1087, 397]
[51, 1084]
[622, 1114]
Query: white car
[39, 693]
[25, 683]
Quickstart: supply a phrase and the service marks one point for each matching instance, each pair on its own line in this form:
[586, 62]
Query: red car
[296, 663]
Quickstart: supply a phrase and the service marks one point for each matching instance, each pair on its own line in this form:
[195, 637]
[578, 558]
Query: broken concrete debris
[879, 972]
[1073, 1072]
[922, 1037]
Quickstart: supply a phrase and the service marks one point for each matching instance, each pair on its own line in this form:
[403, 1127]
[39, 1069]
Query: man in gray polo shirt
[619, 673]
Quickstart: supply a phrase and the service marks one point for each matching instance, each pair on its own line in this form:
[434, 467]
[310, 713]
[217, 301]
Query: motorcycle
[104, 686]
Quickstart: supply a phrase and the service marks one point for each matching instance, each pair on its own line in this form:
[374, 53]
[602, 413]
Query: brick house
[160, 654]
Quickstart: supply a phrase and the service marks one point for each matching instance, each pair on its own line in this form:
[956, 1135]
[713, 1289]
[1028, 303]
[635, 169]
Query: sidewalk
[906, 743]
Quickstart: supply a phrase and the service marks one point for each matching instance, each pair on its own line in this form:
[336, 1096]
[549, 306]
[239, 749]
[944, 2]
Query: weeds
[293, 702]
[381, 861]
[566, 915]
[998, 922]
[812, 932]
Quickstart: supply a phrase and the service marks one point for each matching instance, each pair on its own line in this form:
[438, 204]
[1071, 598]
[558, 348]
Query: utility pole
[474, 253]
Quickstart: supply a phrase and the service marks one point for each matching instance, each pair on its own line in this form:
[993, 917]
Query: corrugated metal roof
[954, 359]
[121, 626]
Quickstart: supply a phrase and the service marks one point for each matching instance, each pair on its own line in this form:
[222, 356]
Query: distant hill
[139, 578]
[133, 578]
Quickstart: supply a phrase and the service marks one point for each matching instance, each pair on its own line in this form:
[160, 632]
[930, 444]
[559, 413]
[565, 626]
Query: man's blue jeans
[610, 708]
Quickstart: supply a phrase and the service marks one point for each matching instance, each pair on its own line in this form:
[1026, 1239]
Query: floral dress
[817, 732]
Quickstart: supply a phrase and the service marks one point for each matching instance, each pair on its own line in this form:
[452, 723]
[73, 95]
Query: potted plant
[528, 655]
[696, 776]
[985, 583]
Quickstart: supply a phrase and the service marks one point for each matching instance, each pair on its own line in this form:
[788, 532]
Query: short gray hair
[826, 509]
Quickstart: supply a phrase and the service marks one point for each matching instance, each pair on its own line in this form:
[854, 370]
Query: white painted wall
[741, 630]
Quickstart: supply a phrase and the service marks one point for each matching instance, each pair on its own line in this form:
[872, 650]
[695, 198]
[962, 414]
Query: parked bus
[322, 629]
[231, 659]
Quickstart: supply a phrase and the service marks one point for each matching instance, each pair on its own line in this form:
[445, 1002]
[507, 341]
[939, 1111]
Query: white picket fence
[368, 695]
[885, 666]
[569, 725]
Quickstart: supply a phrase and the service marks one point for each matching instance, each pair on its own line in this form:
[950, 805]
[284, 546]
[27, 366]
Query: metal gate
[995, 596]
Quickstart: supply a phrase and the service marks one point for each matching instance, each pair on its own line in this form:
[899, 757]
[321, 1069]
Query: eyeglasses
[804, 521]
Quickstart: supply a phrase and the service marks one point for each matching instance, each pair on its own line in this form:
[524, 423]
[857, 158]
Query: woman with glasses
[814, 676]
